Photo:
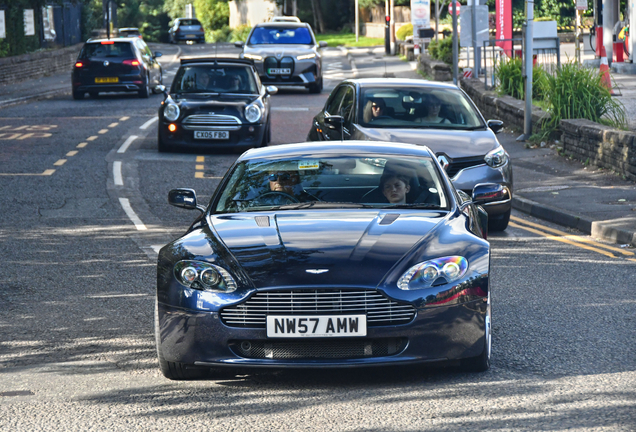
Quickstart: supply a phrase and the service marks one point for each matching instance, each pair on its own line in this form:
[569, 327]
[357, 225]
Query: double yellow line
[573, 240]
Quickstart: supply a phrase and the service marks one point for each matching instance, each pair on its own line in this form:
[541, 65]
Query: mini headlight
[306, 56]
[252, 113]
[426, 274]
[171, 112]
[497, 157]
[204, 276]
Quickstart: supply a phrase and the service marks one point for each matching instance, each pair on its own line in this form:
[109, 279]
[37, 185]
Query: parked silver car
[285, 53]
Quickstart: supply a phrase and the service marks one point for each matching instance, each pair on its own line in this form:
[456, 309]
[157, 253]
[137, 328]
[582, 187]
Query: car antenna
[216, 47]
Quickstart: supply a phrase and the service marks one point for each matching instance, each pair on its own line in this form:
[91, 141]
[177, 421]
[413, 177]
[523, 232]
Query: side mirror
[323, 44]
[271, 90]
[158, 54]
[161, 89]
[495, 125]
[239, 44]
[184, 198]
[484, 193]
[334, 120]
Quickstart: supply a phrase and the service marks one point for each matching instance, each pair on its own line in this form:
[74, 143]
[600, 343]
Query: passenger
[394, 187]
[203, 80]
[432, 108]
[234, 83]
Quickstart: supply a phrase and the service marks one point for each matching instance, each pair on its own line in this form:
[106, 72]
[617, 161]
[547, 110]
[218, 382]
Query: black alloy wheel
[499, 222]
[144, 93]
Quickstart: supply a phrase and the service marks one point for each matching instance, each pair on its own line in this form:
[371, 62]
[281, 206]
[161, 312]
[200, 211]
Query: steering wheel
[285, 197]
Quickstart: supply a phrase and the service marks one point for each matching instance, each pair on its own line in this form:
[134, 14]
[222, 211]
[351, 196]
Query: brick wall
[38, 64]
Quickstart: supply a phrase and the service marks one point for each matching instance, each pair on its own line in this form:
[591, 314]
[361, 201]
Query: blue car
[321, 255]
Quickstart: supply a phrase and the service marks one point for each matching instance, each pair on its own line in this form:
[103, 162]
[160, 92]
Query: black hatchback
[116, 65]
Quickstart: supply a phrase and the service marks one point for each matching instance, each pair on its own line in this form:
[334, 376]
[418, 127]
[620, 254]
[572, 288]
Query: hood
[195, 100]
[322, 248]
[452, 142]
[282, 49]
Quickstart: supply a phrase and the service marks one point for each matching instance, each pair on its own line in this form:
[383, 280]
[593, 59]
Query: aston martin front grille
[380, 310]
[319, 349]
[211, 122]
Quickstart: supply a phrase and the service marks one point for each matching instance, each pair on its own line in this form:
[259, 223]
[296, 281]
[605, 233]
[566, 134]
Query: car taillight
[130, 62]
[178, 30]
[79, 64]
[200, 28]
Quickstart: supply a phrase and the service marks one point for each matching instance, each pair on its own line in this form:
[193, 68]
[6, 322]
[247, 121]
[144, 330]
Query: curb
[25, 99]
[600, 230]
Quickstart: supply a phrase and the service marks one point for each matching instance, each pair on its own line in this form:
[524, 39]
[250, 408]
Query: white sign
[421, 13]
[3, 31]
[29, 22]
[581, 4]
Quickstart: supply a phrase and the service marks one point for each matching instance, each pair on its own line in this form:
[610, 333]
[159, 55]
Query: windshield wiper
[475, 127]
[324, 204]
[414, 205]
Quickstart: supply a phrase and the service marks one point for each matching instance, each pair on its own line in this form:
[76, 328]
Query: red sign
[450, 7]
[503, 14]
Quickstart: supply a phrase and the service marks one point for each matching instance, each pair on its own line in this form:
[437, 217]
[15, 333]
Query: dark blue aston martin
[327, 255]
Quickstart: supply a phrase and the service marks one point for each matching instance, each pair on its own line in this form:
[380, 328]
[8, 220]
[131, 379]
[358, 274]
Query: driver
[203, 79]
[374, 109]
[285, 181]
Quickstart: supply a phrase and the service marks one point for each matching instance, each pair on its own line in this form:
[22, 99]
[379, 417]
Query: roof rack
[215, 60]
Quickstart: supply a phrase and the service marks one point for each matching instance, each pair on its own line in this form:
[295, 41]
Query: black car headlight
[171, 112]
[253, 113]
[204, 276]
[497, 157]
[438, 271]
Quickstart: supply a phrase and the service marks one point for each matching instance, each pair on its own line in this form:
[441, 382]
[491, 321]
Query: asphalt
[546, 185]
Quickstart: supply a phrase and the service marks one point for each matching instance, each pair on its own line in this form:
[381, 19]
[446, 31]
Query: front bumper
[243, 136]
[467, 178]
[435, 334]
[305, 73]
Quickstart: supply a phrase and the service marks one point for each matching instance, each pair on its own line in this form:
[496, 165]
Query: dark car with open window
[116, 65]
[437, 115]
[215, 103]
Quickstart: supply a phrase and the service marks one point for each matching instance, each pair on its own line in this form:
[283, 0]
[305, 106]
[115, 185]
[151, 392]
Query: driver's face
[283, 181]
[203, 80]
[377, 109]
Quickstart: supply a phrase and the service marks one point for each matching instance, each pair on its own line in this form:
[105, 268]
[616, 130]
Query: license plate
[106, 80]
[317, 326]
[279, 71]
[191, 36]
[220, 135]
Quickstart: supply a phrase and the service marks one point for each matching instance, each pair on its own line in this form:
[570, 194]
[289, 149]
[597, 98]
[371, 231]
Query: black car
[440, 116]
[186, 29]
[116, 65]
[213, 104]
[320, 255]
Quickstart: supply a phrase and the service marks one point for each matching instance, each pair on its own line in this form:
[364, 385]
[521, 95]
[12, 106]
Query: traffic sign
[450, 7]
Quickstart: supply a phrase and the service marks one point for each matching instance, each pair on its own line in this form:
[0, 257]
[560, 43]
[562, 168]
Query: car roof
[283, 24]
[208, 60]
[285, 18]
[337, 148]
[129, 29]
[113, 39]
[399, 82]
[180, 19]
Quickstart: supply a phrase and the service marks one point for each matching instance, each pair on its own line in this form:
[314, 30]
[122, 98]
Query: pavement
[546, 185]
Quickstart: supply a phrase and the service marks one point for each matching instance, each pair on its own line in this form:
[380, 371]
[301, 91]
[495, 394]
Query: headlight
[204, 276]
[306, 56]
[253, 57]
[252, 113]
[434, 272]
[496, 157]
[171, 112]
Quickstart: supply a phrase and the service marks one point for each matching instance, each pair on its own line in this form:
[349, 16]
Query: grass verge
[348, 40]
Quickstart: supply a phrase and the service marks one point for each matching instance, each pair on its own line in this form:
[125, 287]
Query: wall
[252, 12]
[36, 65]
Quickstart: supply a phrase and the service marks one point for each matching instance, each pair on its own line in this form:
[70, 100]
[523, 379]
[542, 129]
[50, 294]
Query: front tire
[144, 93]
[481, 363]
[162, 147]
[315, 87]
[499, 222]
[78, 95]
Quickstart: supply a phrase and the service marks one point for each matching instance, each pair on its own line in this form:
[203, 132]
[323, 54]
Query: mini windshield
[333, 182]
[214, 79]
[397, 107]
[282, 35]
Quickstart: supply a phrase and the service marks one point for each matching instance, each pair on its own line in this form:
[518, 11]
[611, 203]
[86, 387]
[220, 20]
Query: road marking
[156, 248]
[103, 131]
[47, 172]
[112, 125]
[118, 179]
[289, 109]
[82, 145]
[125, 204]
[563, 240]
[126, 144]
[124, 118]
[199, 167]
[60, 162]
[148, 123]
[20, 136]
[200, 158]
[572, 237]
[91, 138]
[201, 175]
[72, 153]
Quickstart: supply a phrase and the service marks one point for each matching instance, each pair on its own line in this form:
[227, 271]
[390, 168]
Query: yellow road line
[198, 174]
[199, 167]
[72, 153]
[82, 145]
[572, 237]
[563, 240]
[47, 172]
[91, 138]
[200, 158]
[103, 131]
[112, 125]
[124, 118]
[60, 162]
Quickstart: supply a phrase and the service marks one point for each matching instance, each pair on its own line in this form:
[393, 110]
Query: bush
[510, 77]
[442, 49]
[240, 33]
[404, 31]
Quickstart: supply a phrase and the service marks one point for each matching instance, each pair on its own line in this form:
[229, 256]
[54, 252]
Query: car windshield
[333, 182]
[106, 49]
[417, 107]
[280, 35]
[214, 79]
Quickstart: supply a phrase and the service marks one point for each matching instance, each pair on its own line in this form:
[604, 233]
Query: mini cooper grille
[457, 165]
[211, 119]
[380, 310]
[319, 349]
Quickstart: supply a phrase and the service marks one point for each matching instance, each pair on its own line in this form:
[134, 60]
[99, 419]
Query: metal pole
[577, 34]
[357, 25]
[527, 117]
[437, 20]
[455, 47]
[392, 2]
[473, 19]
